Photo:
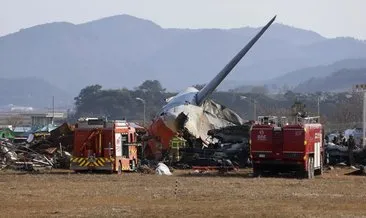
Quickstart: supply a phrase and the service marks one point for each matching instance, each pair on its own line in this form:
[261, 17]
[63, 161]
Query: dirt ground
[66, 194]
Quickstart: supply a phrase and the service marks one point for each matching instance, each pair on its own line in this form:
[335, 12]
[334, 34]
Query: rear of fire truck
[103, 146]
[281, 147]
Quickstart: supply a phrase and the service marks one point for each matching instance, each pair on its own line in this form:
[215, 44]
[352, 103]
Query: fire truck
[102, 145]
[277, 146]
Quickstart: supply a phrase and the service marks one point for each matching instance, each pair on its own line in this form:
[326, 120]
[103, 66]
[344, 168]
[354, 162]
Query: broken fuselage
[191, 112]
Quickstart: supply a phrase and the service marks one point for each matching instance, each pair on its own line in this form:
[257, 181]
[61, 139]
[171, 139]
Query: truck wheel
[320, 171]
[119, 169]
[312, 173]
[256, 172]
[133, 165]
[310, 168]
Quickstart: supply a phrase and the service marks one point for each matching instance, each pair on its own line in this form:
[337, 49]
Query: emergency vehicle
[103, 145]
[277, 146]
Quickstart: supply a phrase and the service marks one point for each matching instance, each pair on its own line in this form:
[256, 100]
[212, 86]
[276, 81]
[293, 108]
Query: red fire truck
[277, 146]
[103, 145]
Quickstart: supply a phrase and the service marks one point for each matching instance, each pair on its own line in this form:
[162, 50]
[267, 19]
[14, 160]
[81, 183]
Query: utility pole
[364, 119]
[144, 114]
[318, 106]
[144, 103]
[255, 110]
[53, 109]
[251, 101]
[362, 88]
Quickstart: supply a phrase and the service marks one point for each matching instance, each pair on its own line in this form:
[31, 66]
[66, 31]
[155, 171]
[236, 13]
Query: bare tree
[349, 110]
[15, 121]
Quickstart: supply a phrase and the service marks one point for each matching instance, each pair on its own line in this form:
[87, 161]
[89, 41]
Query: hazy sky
[330, 18]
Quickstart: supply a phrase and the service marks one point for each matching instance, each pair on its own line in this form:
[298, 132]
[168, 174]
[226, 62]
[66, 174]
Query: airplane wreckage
[200, 121]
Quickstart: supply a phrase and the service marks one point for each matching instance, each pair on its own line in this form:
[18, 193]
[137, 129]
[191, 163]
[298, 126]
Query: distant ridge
[342, 80]
[32, 92]
[123, 51]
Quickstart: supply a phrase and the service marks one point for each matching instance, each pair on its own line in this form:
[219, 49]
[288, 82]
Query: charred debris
[228, 150]
[41, 150]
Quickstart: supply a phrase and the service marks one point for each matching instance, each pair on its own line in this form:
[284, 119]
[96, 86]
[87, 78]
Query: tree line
[94, 101]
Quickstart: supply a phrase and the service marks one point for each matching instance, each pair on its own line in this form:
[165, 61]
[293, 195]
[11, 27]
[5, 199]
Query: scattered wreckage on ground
[230, 150]
[337, 150]
[42, 150]
[336, 154]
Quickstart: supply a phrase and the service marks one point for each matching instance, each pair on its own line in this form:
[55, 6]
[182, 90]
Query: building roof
[20, 129]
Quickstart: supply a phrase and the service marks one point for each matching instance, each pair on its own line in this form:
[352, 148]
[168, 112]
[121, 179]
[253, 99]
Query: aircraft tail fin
[212, 85]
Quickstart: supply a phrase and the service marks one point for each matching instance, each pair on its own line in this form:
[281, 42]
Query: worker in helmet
[351, 145]
[326, 138]
[342, 140]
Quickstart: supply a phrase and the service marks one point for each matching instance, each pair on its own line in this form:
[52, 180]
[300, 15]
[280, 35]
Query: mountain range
[293, 79]
[342, 80]
[123, 51]
[34, 92]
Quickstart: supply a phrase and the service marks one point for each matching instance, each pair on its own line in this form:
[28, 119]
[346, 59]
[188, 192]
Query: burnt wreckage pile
[40, 151]
[229, 147]
[338, 153]
[341, 146]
